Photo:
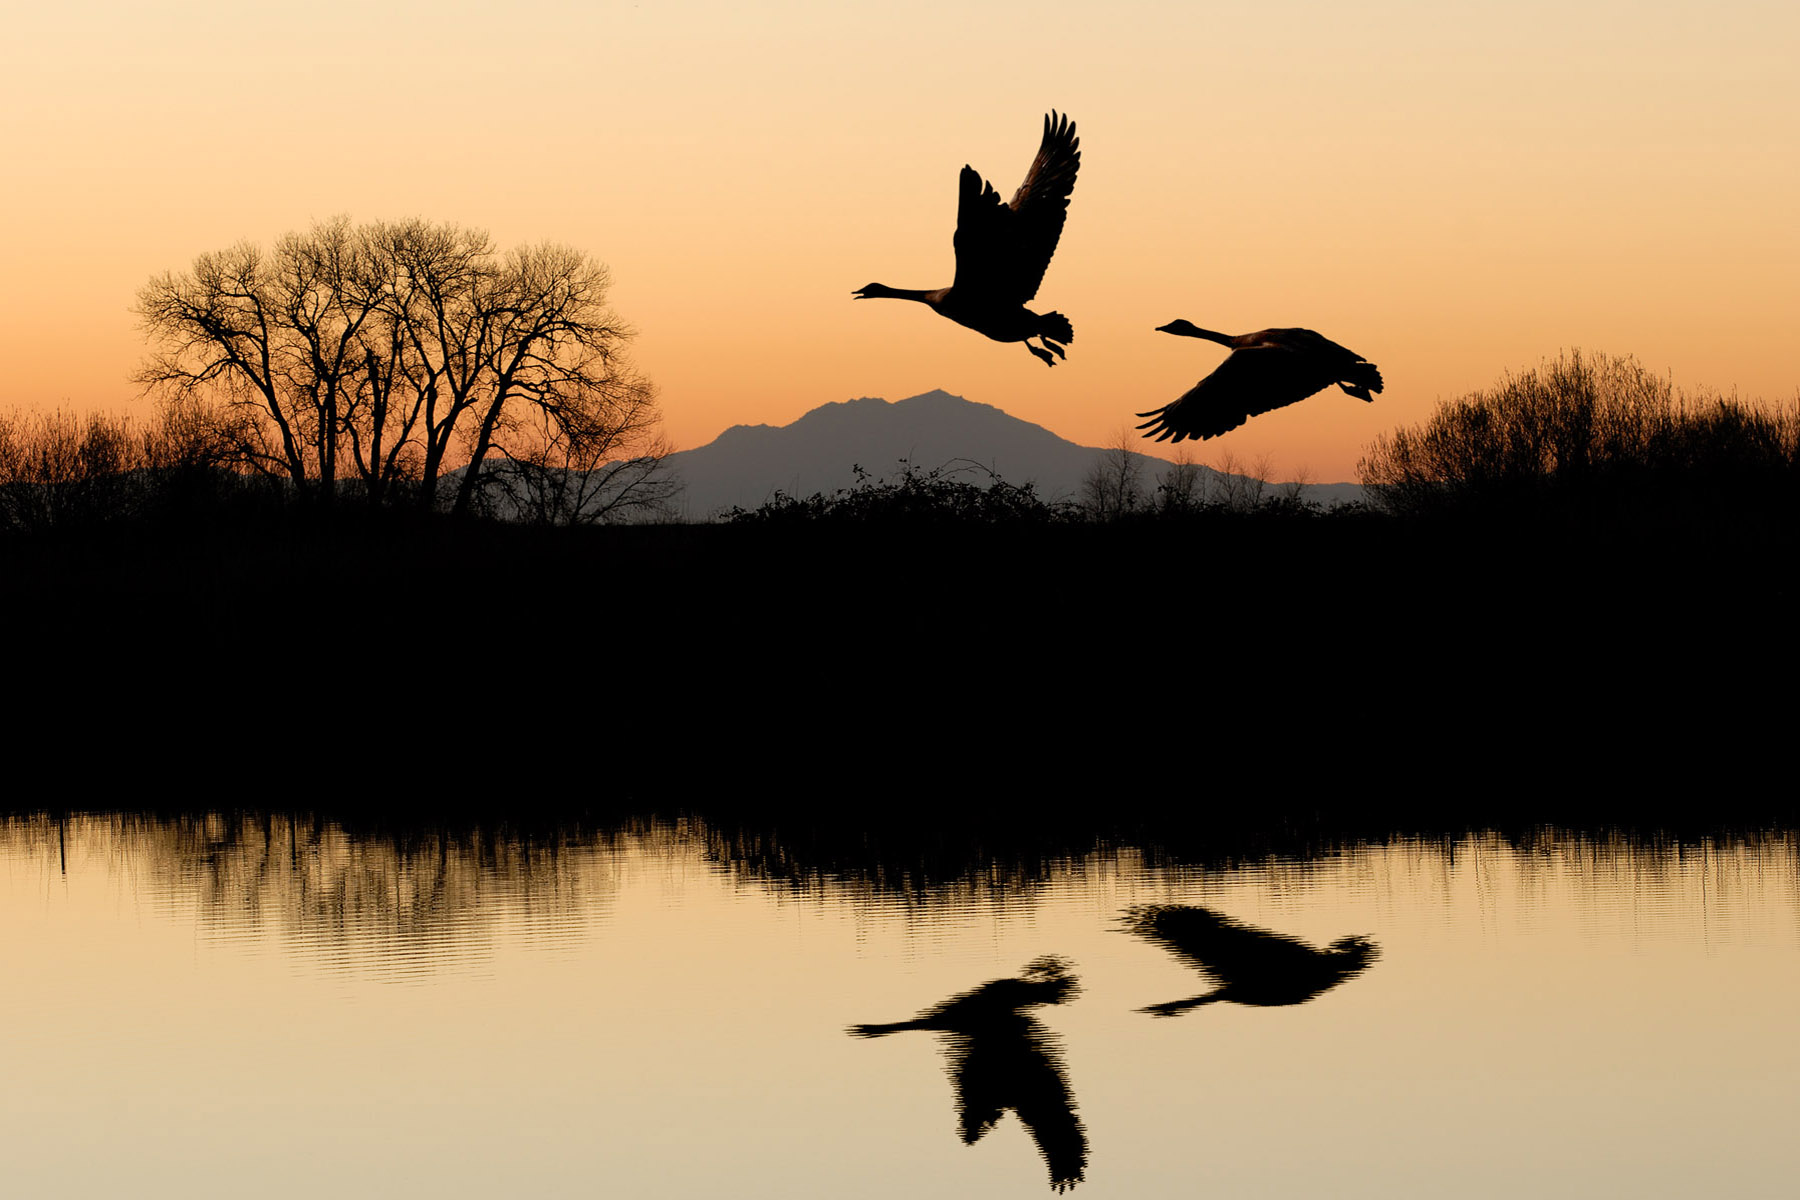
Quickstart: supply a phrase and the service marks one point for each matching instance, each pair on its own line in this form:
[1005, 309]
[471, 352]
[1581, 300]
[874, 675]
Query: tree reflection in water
[1001, 1058]
[1250, 965]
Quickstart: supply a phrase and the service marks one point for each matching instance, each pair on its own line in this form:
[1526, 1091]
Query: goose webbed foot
[1043, 354]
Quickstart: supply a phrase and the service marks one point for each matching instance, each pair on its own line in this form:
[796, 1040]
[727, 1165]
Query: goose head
[1182, 329]
[1358, 950]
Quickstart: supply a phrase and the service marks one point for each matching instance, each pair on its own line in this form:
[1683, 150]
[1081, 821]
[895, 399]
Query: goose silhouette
[1001, 1058]
[1003, 250]
[1251, 966]
[1266, 370]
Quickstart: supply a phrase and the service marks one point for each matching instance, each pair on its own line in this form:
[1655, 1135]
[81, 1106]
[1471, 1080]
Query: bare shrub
[1113, 487]
[60, 470]
[1588, 429]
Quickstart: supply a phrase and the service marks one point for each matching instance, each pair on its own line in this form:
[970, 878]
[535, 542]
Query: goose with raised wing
[1003, 250]
[1266, 370]
[1002, 1058]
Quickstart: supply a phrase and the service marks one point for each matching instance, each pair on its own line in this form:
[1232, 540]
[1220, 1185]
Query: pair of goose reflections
[1002, 1058]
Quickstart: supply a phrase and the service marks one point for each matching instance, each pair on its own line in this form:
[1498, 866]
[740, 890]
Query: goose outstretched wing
[1003, 250]
[1248, 383]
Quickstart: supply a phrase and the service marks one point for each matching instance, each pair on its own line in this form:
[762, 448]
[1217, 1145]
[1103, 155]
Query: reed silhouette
[1266, 370]
[1000, 1058]
[1251, 966]
[1003, 250]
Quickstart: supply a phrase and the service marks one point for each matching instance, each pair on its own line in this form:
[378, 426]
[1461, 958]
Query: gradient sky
[1453, 191]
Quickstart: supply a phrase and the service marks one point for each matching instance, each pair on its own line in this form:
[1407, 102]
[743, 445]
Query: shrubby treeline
[510, 369]
[60, 471]
[963, 492]
[1590, 434]
[1116, 489]
[959, 493]
[412, 362]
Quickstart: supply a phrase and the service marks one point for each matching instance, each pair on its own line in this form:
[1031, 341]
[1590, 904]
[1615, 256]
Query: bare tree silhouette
[389, 353]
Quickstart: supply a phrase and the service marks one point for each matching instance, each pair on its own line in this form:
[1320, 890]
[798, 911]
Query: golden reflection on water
[659, 1009]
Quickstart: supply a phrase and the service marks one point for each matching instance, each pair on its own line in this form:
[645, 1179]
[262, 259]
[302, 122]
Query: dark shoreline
[1258, 655]
[928, 857]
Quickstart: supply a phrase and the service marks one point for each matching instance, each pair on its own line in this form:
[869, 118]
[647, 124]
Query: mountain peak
[938, 396]
[868, 405]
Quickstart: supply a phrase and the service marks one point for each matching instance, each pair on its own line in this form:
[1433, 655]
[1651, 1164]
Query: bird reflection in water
[1250, 965]
[1001, 1058]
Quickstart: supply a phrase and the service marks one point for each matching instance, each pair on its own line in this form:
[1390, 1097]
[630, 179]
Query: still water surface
[228, 1007]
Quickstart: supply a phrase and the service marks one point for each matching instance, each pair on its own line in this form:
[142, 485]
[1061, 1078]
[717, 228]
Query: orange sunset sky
[1452, 190]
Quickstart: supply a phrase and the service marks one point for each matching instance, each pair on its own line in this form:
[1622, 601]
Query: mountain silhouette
[747, 464]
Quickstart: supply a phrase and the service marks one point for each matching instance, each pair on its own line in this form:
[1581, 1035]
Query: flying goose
[1266, 370]
[1002, 250]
